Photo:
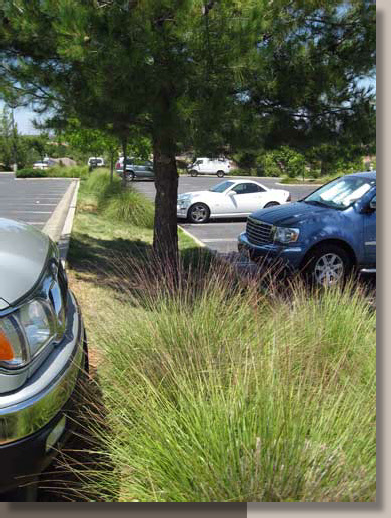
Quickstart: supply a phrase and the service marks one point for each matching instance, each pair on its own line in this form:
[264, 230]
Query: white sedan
[228, 199]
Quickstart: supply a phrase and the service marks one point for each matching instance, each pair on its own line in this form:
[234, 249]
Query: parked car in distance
[44, 164]
[135, 168]
[325, 235]
[204, 165]
[96, 161]
[43, 355]
[228, 199]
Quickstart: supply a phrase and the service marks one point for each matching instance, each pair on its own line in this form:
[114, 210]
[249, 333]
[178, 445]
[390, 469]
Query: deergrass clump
[77, 171]
[118, 203]
[216, 391]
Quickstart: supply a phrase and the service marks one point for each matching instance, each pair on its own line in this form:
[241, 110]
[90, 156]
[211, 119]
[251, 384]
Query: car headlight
[184, 201]
[285, 235]
[37, 320]
[24, 333]
[37, 323]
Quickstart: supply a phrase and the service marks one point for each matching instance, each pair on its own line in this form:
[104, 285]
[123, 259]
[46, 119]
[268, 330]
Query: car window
[222, 186]
[253, 187]
[246, 188]
[240, 188]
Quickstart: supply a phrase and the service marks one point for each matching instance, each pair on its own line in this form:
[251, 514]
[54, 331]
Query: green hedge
[54, 172]
[29, 172]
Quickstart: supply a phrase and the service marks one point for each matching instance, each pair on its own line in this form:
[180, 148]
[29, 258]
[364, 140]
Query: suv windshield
[340, 193]
[221, 187]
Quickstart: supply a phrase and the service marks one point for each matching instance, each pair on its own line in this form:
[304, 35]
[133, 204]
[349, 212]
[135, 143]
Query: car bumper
[35, 419]
[289, 256]
[181, 212]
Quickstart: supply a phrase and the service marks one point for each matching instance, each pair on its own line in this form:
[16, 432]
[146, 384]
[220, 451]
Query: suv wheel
[328, 265]
[131, 176]
[220, 174]
[198, 213]
[193, 172]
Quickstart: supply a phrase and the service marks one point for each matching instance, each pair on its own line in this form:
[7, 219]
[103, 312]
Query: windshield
[341, 193]
[221, 187]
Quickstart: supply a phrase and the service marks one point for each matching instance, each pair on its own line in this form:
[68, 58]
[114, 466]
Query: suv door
[370, 235]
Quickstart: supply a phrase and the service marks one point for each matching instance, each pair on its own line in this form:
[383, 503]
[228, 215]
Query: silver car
[43, 354]
[135, 168]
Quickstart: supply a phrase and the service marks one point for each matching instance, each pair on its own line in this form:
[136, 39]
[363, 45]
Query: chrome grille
[58, 297]
[258, 232]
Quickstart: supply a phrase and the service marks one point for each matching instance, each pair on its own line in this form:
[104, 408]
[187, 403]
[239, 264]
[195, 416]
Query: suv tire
[327, 265]
[193, 172]
[220, 174]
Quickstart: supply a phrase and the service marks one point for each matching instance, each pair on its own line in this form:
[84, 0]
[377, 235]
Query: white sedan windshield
[221, 187]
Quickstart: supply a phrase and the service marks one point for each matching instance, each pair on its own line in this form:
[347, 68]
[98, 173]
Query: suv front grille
[258, 232]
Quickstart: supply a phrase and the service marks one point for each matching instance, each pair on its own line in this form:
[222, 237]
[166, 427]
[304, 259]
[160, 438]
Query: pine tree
[210, 73]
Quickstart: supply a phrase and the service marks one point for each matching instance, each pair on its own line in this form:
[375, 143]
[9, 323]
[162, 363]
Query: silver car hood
[23, 253]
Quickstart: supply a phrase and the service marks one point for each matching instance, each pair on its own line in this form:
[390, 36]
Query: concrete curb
[59, 225]
[66, 232]
[199, 243]
[47, 178]
[300, 184]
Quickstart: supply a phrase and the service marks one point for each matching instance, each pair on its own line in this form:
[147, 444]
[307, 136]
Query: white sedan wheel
[198, 213]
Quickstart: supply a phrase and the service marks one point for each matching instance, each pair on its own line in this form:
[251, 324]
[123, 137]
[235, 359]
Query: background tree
[12, 150]
[39, 143]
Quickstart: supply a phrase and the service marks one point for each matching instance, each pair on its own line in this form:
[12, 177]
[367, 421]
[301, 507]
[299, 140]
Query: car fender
[330, 232]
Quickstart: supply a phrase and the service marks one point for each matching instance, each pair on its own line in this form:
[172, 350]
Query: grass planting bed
[208, 388]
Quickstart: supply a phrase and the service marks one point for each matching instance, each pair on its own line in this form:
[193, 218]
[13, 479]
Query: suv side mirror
[372, 204]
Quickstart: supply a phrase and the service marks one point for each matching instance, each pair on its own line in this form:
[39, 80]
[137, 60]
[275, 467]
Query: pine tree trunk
[165, 236]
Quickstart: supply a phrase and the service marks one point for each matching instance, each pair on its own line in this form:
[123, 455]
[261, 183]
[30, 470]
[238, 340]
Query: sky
[24, 116]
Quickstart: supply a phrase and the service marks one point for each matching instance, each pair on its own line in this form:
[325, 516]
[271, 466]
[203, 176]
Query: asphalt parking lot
[30, 200]
[220, 235]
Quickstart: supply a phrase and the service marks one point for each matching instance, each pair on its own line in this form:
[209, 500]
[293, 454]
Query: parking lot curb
[300, 184]
[68, 224]
[59, 226]
[199, 243]
[47, 178]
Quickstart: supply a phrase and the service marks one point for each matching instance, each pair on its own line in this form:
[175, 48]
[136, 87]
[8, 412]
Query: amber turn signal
[6, 351]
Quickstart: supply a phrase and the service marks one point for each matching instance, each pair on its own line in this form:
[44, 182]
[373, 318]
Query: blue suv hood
[291, 214]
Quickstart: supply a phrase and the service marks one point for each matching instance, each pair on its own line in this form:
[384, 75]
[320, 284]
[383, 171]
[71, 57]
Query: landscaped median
[210, 388]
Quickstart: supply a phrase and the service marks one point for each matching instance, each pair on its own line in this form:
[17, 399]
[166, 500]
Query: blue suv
[326, 234]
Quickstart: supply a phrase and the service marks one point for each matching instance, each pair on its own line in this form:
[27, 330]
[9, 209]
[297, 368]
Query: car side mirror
[231, 193]
[372, 204]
